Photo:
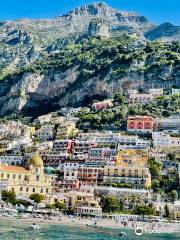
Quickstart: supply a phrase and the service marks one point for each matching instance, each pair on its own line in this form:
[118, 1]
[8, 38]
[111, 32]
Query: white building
[4, 130]
[44, 146]
[131, 91]
[45, 118]
[169, 125]
[174, 209]
[46, 132]
[162, 140]
[11, 160]
[142, 98]
[158, 156]
[6, 145]
[84, 202]
[71, 171]
[128, 140]
[134, 141]
[156, 91]
[175, 91]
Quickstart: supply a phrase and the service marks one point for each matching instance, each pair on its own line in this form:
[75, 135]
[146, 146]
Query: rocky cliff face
[50, 63]
[24, 40]
[99, 28]
[87, 69]
[164, 32]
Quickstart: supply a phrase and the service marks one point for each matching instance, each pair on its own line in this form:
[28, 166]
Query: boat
[35, 226]
[122, 234]
[94, 225]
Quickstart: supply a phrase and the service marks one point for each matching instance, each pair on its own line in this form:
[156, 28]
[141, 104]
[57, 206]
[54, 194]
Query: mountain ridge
[48, 59]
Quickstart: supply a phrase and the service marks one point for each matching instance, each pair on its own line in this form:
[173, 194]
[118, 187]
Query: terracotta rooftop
[13, 169]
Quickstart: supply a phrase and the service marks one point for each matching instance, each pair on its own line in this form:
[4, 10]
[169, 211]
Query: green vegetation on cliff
[163, 106]
[117, 57]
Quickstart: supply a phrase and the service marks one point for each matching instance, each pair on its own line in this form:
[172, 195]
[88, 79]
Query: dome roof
[36, 161]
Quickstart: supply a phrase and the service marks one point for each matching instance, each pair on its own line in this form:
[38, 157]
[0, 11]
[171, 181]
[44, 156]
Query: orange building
[140, 124]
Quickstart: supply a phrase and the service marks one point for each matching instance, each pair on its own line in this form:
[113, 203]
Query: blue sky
[157, 11]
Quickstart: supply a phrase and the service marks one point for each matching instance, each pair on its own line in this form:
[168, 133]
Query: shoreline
[106, 224]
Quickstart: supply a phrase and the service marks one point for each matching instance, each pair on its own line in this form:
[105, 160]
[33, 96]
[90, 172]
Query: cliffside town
[90, 115]
[81, 170]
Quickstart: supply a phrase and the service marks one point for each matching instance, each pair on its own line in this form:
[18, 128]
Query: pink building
[102, 105]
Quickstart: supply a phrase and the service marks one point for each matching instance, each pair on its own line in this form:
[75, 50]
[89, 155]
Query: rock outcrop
[99, 28]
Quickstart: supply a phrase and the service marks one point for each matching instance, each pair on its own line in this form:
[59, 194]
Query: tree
[50, 206]
[37, 198]
[154, 167]
[171, 156]
[174, 195]
[156, 185]
[119, 99]
[23, 202]
[9, 196]
[110, 204]
[145, 210]
[166, 209]
[59, 205]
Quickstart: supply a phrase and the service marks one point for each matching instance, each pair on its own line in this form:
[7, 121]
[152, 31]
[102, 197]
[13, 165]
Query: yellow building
[138, 177]
[130, 168]
[66, 129]
[24, 181]
[33, 130]
[128, 157]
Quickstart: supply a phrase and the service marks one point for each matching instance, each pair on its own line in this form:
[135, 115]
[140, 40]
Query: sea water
[22, 231]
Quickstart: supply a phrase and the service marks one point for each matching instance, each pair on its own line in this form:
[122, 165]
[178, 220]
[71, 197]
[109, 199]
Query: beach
[68, 229]
[125, 222]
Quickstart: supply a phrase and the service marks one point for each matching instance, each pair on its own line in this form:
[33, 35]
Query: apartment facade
[141, 124]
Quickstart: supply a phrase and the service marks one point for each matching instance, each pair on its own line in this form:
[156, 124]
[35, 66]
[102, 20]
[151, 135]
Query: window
[8, 175]
[41, 190]
[21, 189]
[14, 176]
[37, 178]
[2, 175]
[47, 190]
[33, 189]
[27, 189]
[19, 177]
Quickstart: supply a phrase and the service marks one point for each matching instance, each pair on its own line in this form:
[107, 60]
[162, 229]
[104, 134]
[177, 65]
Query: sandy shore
[172, 227]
